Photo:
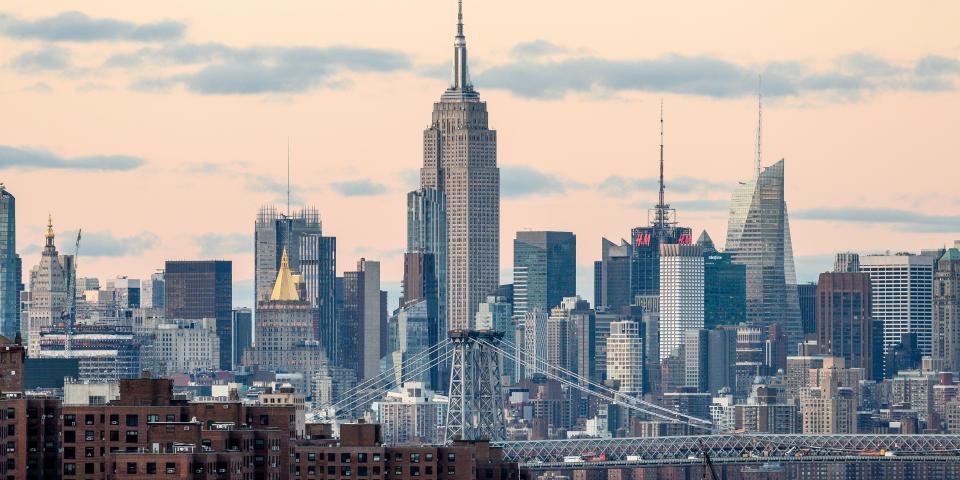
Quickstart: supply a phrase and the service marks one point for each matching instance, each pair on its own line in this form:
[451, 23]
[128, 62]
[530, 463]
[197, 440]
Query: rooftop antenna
[288, 177]
[662, 205]
[759, 122]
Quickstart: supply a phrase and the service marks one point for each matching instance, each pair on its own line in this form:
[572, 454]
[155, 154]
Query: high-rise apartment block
[11, 268]
[625, 357]
[460, 160]
[201, 289]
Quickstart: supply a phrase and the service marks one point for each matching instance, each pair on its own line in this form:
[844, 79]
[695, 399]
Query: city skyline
[228, 158]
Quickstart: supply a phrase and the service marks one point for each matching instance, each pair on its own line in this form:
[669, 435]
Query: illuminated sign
[642, 240]
[685, 239]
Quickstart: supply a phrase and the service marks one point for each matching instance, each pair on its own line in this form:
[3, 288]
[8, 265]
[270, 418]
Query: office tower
[198, 289]
[844, 322]
[11, 267]
[151, 291]
[412, 338]
[361, 324]
[318, 269]
[275, 231]
[241, 332]
[724, 287]
[650, 326]
[612, 276]
[946, 312]
[50, 291]
[583, 325]
[420, 287]
[722, 364]
[681, 294]
[646, 241]
[902, 289]
[531, 347]
[807, 297]
[544, 270]
[126, 292]
[846, 262]
[696, 359]
[625, 357]
[561, 340]
[758, 236]
[427, 234]
[460, 160]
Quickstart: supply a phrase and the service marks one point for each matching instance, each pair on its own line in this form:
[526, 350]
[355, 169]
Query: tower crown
[285, 289]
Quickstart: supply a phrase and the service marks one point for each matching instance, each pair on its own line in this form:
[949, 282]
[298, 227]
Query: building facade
[427, 235]
[681, 294]
[946, 312]
[51, 290]
[11, 267]
[544, 270]
[844, 321]
[275, 231]
[625, 357]
[902, 290]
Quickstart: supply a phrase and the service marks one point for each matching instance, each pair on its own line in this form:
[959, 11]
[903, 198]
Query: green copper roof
[951, 254]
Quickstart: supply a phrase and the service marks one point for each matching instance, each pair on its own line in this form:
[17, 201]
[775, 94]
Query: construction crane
[73, 289]
[707, 464]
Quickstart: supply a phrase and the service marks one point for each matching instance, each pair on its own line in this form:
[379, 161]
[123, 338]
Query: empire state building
[460, 159]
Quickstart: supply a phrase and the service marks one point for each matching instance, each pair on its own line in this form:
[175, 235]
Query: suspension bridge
[476, 411]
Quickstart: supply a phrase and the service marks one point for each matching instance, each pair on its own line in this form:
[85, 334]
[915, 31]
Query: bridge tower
[476, 393]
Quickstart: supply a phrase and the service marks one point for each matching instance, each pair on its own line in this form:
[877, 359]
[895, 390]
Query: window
[428, 457]
[376, 457]
[258, 444]
[114, 435]
[171, 418]
[264, 419]
[344, 458]
[69, 420]
[69, 436]
[415, 458]
[132, 420]
[11, 447]
[88, 452]
[311, 456]
[151, 468]
[152, 418]
[414, 471]
[88, 468]
[11, 413]
[132, 468]
[88, 419]
[89, 435]
[132, 436]
[11, 430]
[451, 470]
[171, 467]
[451, 457]
[69, 453]
[69, 468]
[114, 419]
[361, 457]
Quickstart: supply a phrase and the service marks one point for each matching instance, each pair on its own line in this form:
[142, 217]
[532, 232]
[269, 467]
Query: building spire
[49, 232]
[759, 159]
[461, 77]
[662, 203]
[288, 177]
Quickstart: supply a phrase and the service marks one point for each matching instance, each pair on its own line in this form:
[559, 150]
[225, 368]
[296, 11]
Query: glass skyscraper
[544, 270]
[724, 287]
[427, 234]
[11, 268]
[758, 236]
[202, 289]
[318, 268]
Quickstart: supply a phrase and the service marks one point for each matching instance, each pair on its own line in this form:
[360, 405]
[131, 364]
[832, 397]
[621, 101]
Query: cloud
[358, 188]
[48, 57]
[618, 186]
[521, 181]
[218, 245]
[536, 48]
[106, 244]
[701, 205]
[935, 65]
[907, 220]
[850, 77]
[33, 159]
[225, 70]
[79, 27]
[39, 87]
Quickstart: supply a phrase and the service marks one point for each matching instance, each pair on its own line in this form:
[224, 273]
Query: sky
[160, 128]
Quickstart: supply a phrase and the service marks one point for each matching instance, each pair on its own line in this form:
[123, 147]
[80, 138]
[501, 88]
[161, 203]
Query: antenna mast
[288, 177]
[759, 122]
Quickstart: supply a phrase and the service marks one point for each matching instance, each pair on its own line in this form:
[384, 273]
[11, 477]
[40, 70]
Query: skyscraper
[807, 298]
[544, 270]
[460, 160]
[758, 236]
[625, 357]
[663, 230]
[427, 234]
[902, 290]
[241, 332]
[844, 324]
[946, 312]
[846, 262]
[274, 232]
[362, 323]
[612, 276]
[318, 270]
[419, 303]
[151, 291]
[681, 295]
[50, 290]
[198, 289]
[724, 287]
[11, 268]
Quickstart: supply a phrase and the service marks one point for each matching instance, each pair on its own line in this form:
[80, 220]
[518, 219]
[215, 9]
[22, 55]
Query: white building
[184, 346]
[902, 286]
[50, 292]
[625, 356]
[411, 414]
[681, 295]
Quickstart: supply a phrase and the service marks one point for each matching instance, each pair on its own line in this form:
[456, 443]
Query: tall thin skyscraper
[11, 268]
[844, 326]
[460, 159]
[946, 312]
[318, 270]
[758, 236]
[274, 232]
[202, 289]
[544, 270]
[612, 281]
